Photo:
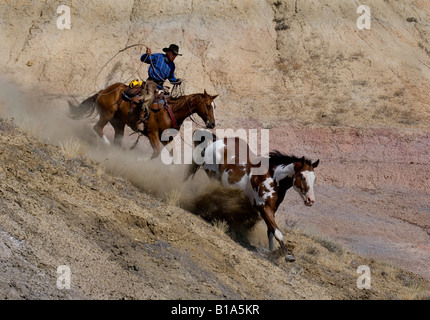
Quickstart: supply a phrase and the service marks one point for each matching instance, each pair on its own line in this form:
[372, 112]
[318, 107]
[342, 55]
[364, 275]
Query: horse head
[304, 179]
[206, 109]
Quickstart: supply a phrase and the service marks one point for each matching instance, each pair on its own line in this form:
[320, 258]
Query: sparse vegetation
[71, 148]
[312, 250]
[221, 225]
[330, 245]
[408, 117]
[174, 197]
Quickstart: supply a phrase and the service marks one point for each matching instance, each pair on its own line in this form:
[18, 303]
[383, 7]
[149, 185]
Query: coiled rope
[177, 90]
[113, 57]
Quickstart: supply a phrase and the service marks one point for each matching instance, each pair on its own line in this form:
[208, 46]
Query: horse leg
[273, 231]
[191, 170]
[118, 126]
[98, 128]
[155, 144]
[270, 237]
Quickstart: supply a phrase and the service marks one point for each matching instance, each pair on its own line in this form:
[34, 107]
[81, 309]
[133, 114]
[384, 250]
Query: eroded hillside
[288, 60]
[59, 208]
[338, 75]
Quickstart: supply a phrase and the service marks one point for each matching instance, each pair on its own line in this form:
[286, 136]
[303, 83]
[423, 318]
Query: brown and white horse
[265, 191]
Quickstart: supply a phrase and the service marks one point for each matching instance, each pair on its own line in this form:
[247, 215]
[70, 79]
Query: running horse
[266, 190]
[114, 110]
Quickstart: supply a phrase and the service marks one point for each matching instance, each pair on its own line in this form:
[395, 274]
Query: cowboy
[161, 68]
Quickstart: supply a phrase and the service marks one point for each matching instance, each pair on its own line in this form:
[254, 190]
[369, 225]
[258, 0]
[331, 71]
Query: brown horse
[231, 162]
[113, 109]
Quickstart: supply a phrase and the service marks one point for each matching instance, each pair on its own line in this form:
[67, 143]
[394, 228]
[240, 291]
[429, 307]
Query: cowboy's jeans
[148, 95]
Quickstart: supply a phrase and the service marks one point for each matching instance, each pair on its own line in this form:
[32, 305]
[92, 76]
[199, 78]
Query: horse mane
[178, 103]
[276, 158]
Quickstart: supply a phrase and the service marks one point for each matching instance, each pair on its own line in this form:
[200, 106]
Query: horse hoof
[106, 140]
[289, 258]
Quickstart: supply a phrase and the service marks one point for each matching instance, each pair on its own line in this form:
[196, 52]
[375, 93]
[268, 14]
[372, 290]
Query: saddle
[131, 94]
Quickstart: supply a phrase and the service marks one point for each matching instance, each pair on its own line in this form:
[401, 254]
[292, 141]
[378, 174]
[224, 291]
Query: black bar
[214, 309]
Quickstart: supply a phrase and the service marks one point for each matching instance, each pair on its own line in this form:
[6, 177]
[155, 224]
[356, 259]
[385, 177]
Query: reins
[181, 91]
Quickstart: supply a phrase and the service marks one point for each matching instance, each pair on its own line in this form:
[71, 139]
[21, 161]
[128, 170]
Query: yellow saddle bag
[135, 83]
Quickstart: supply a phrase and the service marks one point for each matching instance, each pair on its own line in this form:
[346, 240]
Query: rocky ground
[122, 241]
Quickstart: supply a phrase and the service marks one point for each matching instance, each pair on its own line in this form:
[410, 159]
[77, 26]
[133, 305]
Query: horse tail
[84, 110]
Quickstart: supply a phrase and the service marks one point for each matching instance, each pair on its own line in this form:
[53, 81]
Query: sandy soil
[60, 208]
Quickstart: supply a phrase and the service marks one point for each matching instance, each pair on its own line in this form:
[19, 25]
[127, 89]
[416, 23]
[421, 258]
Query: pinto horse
[264, 191]
[113, 109]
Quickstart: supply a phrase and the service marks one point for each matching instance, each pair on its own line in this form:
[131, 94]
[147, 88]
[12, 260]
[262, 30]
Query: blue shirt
[161, 68]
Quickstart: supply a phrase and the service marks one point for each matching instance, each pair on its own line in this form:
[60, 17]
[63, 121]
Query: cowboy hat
[173, 48]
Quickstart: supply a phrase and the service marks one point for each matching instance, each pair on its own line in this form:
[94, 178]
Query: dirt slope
[302, 61]
[122, 243]
[336, 74]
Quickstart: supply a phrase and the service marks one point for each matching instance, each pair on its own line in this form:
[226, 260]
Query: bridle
[191, 112]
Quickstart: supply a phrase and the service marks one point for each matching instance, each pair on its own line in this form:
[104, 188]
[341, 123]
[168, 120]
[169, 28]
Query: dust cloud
[46, 117]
